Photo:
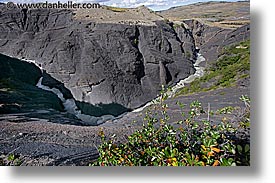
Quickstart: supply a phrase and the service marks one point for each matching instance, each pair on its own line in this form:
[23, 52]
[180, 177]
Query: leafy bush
[194, 143]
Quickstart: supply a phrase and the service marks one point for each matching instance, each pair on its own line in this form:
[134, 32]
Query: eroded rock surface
[98, 62]
[212, 40]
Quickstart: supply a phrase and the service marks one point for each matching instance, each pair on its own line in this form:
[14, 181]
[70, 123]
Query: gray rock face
[211, 40]
[99, 62]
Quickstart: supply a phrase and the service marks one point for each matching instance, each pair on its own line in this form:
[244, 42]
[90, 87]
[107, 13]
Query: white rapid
[71, 107]
[199, 73]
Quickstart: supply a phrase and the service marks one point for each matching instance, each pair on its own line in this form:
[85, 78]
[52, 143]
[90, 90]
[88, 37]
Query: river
[198, 73]
[71, 107]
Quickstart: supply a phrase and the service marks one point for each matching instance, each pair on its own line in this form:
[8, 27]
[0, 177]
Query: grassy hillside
[232, 66]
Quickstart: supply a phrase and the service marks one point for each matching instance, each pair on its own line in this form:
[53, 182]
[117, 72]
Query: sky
[152, 4]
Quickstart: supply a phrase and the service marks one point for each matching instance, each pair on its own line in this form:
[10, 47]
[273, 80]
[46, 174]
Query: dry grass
[116, 9]
[140, 15]
[222, 14]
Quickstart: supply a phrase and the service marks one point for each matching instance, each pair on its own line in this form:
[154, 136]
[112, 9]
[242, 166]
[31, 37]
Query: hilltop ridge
[214, 13]
[107, 14]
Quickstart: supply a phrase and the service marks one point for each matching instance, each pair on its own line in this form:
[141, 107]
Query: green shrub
[194, 143]
[10, 160]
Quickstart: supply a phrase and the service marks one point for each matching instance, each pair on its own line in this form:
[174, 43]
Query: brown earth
[220, 14]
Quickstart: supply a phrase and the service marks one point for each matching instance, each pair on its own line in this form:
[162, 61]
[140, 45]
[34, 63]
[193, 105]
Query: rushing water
[71, 107]
[199, 73]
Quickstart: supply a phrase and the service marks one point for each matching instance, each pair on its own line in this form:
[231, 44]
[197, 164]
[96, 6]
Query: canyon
[109, 65]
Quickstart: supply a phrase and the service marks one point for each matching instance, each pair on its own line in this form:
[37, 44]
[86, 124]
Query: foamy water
[199, 73]
[71, 107]
[69, 104]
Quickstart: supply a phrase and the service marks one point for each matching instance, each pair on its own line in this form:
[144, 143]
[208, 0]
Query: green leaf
[183, 114]
[180, 122]
[230, 161]
[240, 149]
[11, 157]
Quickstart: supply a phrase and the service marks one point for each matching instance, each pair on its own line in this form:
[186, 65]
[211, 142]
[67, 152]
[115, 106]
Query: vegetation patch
[116, 9]
[194, 143]
[10, 160]
[233, 64]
